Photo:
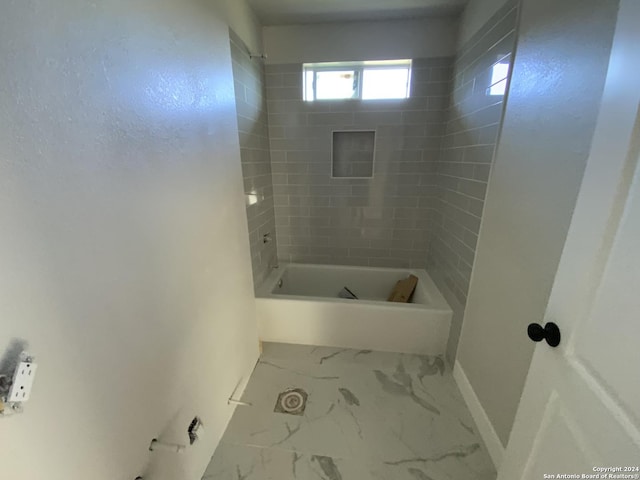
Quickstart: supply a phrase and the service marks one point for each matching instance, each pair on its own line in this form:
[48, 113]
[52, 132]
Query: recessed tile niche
[353, 154]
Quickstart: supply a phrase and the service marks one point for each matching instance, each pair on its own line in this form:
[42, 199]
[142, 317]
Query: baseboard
[485, 428]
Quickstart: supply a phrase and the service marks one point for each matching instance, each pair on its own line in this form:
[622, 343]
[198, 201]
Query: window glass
[335, 84]
[378, 83]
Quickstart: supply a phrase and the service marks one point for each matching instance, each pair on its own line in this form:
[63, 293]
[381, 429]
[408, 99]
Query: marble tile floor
[369, 416]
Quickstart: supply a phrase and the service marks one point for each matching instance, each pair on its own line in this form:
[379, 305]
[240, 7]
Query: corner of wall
[466, 157]
[515, 268]
[253, 130]
[475, 15]
[485, 427]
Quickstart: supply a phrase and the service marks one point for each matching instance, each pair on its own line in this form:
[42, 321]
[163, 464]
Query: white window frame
[358, 68]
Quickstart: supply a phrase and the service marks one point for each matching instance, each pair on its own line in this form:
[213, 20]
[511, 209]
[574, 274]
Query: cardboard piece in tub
[403, 290]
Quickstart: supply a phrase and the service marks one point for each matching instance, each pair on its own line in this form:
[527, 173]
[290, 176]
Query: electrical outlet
[22, 382]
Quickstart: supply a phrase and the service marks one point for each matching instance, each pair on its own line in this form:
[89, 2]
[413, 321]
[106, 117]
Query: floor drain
[292, 402]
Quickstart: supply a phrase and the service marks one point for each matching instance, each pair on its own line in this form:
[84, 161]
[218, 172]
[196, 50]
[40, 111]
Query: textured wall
[473, 120]
[241, 18]
[251, 105]
[383, 221]
[124, 249]
[558, 77]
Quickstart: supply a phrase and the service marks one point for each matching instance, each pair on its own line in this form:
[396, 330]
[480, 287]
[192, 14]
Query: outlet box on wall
[22, 382]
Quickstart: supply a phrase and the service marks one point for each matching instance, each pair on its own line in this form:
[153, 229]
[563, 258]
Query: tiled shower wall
[468, 146]
[254, 152]
[387, 220]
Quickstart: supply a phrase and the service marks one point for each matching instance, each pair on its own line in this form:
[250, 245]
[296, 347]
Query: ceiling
[290, 12]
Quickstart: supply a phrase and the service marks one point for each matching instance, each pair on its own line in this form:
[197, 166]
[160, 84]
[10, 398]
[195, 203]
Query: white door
[580, 410]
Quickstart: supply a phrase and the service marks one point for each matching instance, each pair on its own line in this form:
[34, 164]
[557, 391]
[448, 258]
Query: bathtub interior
[368, 284]
[299, 303]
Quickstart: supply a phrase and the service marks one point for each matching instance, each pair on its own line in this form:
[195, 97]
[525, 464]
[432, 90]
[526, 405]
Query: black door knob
[550, 332]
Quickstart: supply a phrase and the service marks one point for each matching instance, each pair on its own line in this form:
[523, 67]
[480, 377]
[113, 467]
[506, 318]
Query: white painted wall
[558, 77]
[241, 18]
[124, 254]
[474, 16]
[419, 38]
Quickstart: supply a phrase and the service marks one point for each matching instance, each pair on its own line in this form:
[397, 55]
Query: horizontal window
[389, 79]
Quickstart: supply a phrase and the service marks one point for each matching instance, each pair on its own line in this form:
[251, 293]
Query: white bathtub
[299, 304]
